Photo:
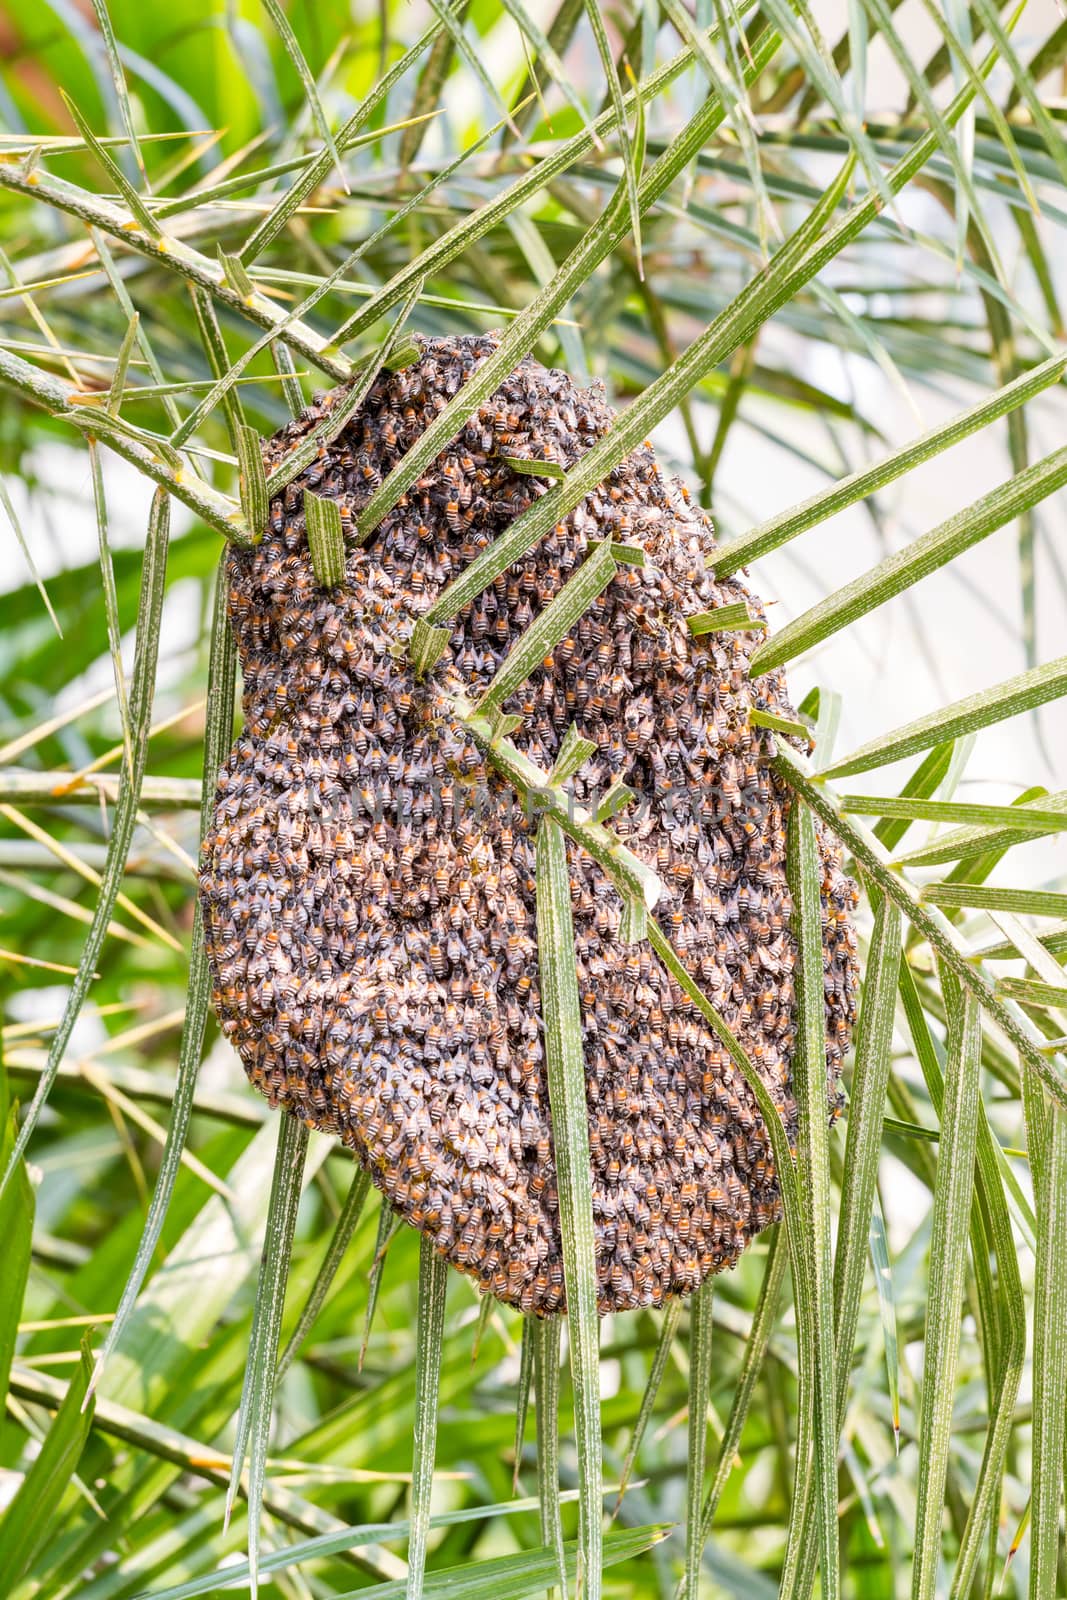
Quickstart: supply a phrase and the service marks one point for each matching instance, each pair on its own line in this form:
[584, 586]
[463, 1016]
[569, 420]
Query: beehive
[368, 884]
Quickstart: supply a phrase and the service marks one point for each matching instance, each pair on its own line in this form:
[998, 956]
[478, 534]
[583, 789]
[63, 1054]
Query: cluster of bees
[372, 938]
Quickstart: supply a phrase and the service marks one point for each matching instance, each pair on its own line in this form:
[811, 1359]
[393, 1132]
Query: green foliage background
[758, 1427]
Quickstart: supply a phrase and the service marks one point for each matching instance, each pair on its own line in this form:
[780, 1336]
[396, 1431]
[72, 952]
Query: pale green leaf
[546, 1345]
[1049, 1359]
[326, 540]
[672, 1314]
[859, 485]
[316, 171]
[814, 1254]
[118, 78]
[217, 735]
[948, 1260]
[1025, 692]
[142, 688]
[527, 1356]
[254, 502]
[551, 626]
[723, 619]
[872, 856]
[296, 56]
[701, 1319]
[902, 570]
[995, 835]
[429, 1337]
[345, 1227]
[30, 1514]
[132, 197]
[257, 1396]
[16, 1230]
[763, 1319]
[985, 897]
[565, 1062]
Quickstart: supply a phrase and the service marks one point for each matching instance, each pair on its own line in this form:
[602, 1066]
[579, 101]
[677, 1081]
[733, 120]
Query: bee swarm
[368, 882]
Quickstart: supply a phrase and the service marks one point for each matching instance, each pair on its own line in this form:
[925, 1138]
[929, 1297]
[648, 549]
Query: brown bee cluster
[368, 882]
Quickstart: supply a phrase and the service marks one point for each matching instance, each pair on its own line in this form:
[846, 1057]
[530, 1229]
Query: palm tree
[810, 264]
